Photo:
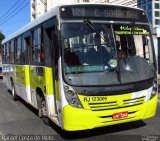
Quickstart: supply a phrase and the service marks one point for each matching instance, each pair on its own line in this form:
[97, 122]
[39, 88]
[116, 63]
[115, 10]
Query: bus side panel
[6, 75]
[21, 81]
[37, 83]
[19, 74]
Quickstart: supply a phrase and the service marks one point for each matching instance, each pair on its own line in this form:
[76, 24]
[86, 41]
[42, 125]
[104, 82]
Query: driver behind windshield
[98, 54]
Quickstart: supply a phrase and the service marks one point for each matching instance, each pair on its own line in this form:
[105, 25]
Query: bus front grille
[114, 104]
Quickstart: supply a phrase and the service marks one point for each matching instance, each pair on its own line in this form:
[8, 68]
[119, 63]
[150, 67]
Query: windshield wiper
[93, 27]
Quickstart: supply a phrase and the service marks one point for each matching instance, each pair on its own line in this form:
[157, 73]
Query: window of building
[157, 13]
[85, 0]
[157, 6]
[37, 49]
[157, 21]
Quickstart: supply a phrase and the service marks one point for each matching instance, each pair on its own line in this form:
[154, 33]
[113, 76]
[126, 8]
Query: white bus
[55, 65]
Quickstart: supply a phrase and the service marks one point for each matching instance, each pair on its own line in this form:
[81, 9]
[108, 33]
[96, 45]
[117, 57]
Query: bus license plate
[119, 115]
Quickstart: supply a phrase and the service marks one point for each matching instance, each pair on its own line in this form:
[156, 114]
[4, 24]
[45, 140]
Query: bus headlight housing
[72, 97]
[155, 89]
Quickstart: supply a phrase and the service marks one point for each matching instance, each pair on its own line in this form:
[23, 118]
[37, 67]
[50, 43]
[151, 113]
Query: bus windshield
[106, 54]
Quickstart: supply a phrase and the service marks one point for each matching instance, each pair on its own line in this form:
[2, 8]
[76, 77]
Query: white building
[39, 7]
[131, 3]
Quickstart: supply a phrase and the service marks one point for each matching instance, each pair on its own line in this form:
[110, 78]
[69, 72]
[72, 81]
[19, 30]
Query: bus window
[7, 53]
[3, 53]
[37, 49]
[15, 50]
[48, 44]
[12, 52]
[19, 50]
[26, 44]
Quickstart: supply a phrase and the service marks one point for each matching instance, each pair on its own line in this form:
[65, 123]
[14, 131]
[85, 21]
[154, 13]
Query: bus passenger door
[51, 65]
[27, 45]
[158, 58]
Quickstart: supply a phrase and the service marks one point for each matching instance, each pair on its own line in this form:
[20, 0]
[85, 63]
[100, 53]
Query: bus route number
[95, 99]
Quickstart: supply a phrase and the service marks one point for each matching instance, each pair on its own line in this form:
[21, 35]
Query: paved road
[18, 119]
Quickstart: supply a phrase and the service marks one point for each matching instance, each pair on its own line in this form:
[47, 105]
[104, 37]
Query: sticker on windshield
[128, 30]
[113, 63]
[77, 69]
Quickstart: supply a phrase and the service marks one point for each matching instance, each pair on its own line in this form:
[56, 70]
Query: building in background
[38, 7]
[131, 3]
[152, 7]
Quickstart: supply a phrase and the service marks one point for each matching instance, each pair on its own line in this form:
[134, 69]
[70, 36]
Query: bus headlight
[155, 89]
[72, 97]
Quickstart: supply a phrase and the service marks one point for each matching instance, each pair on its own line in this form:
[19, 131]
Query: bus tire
[39, 106]
[14, 95]
[42, 109]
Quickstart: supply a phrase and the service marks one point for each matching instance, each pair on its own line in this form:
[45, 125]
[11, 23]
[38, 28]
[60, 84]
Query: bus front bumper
[80, 119]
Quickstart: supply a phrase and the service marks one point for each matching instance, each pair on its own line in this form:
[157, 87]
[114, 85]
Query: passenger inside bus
[128, 45]
[97, 54]
[118, 53]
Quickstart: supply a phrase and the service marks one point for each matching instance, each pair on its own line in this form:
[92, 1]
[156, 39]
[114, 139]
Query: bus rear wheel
[14, 95]
[42, 110]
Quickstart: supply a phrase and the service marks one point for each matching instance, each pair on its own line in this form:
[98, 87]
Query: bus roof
[50, 14]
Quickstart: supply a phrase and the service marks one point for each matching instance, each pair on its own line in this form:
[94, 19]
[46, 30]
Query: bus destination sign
[111, 13]
[102, 12]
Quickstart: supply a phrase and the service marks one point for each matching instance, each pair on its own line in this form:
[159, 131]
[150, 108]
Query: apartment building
[131, 3]
[152, 8]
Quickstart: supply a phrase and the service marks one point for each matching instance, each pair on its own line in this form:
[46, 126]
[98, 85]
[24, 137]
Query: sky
[14, 14]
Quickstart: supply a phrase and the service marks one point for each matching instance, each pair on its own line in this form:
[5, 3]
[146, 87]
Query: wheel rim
[13, 90]
[44, 109]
